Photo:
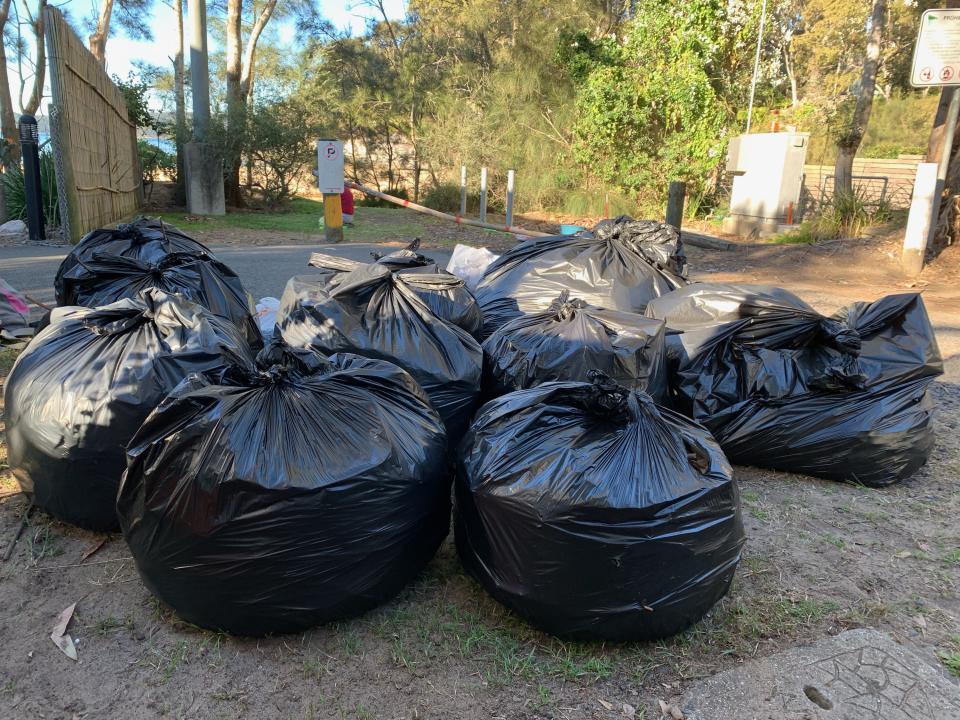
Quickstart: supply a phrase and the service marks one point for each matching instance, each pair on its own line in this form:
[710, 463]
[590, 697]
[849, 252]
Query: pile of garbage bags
[83, 386]
[593, 492]
[594, 513]
[570, 340]
[406, 318]
[843, 397]
[109, 265]
[622, 265]
[304, 490]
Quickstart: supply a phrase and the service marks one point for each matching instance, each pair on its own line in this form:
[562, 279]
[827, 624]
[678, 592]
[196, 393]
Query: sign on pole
[936, 56]
[330, 166]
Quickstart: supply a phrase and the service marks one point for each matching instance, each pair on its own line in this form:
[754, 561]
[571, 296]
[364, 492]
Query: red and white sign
[330, 166]
[936, 56]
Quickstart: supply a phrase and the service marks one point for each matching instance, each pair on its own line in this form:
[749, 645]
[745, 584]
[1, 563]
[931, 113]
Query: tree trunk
[848, 145]
[791, 76]
[98, 41]
[181, 133]
[235, 106]
[10, 155]
[40, 67]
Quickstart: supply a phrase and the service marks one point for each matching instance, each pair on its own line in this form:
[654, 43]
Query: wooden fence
[94, 143]
[891, 180]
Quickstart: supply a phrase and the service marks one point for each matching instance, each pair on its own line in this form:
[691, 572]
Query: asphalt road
[263, 270]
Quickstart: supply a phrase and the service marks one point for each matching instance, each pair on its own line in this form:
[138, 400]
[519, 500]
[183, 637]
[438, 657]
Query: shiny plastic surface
[621, 265]
[571, 339]
[595, 514]
[377, 313]
[309, 490]
[111, 264]
[451, 301]
[82, 387]
[781, 386]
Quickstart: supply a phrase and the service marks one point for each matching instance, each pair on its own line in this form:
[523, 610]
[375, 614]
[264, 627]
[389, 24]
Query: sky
[123, 53]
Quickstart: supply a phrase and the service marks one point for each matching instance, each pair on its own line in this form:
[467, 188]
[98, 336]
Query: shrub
[155, 163]
[281, 136]
[446, 197]
[13, 185]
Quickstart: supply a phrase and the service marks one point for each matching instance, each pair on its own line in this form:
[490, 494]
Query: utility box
[768, 173]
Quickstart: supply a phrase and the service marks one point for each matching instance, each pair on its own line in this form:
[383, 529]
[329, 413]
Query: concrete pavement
[264, 270]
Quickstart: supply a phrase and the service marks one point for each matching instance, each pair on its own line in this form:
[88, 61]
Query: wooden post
[675, 198]
[483, 194]
[509, 198]
[606, 205]
[463, 190]
[332, 218]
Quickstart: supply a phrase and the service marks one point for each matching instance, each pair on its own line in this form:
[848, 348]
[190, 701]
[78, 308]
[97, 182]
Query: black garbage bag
[108, 265]
[451, 301]
[80, 390]
[621, 265]
[571, 339]
[376, 313]
[311, 490]
[782, 386]
[596, 514]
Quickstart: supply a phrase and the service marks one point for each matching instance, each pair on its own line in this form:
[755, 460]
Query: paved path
[263, 270]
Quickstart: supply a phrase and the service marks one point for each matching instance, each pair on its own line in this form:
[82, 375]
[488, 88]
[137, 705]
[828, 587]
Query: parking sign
[330, 166]
[936, 56]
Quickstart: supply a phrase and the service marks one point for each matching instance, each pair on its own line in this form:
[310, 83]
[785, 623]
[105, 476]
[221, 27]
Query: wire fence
[94, 142]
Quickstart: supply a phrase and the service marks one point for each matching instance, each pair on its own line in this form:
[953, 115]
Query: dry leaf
[629, 711]
[59, 635]
[902, 554]
[921, 623]
[91, 549]
[670, 712]
[608, 706]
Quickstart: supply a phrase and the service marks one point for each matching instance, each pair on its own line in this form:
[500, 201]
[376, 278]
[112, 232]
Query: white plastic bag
[470, 263]
[267, 316]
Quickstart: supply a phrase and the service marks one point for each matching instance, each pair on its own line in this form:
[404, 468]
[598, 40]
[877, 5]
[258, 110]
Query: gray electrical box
[768, 173]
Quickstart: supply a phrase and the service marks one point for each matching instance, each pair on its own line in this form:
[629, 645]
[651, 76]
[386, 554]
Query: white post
[483, 194]
[509, 198]
[463, 191]
[920, 219]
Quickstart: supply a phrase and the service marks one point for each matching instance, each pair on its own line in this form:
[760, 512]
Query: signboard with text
[936, 56]
[330, 166]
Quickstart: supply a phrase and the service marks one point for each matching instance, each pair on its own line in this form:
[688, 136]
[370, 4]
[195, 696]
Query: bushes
[446, 197]
[13, 186]
[845, 216]
[155, 164]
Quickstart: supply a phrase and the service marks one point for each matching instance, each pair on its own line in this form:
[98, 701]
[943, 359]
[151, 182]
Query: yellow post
[332, 218]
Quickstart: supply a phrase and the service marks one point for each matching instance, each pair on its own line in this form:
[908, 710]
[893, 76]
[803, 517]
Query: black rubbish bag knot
[564, 307]
[841, 336]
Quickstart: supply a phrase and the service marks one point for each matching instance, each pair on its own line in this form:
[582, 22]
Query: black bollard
[33, 195]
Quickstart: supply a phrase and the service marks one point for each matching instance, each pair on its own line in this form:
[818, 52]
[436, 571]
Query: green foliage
[845, 216]
[155, 163]
[13, 186]
[446, 197]
[134, 90]
[648, 110]
[280, 140]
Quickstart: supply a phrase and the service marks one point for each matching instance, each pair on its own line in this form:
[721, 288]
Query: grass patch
[304, 216]
[8, 356]
[951, 658]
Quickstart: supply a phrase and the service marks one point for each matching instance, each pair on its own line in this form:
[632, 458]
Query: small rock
[13, 227]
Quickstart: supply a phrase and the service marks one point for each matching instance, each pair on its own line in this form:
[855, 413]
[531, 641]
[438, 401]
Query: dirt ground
[821, 557]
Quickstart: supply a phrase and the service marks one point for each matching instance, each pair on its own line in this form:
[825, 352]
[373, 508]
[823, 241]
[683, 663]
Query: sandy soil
[821, 557]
